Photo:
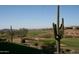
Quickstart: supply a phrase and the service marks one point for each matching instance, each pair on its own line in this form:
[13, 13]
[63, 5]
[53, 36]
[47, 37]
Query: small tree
[23, 32]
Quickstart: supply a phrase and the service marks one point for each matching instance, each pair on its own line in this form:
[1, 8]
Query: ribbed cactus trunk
[58, 17]
[58, 40]
[58, 30]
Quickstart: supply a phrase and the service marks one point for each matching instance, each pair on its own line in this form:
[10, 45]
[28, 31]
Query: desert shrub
[23, 41]
[36, 44]
[3, 39]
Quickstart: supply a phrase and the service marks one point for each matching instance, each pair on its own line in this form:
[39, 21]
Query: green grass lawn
[71, 42]
[14, 48]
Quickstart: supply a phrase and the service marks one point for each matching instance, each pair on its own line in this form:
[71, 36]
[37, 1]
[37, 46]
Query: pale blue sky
[36, 16]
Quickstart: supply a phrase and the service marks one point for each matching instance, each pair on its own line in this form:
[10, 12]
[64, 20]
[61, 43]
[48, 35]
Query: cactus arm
[63, 25]
[55, 30]
[61, 28]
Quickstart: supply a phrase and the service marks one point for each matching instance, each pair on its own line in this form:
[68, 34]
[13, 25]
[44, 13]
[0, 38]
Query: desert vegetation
[40, 39]
[56, 39]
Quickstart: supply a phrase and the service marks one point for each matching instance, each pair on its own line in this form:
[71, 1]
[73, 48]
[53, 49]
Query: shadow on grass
[12, 48]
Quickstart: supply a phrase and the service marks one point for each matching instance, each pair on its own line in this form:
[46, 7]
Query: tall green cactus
[61, 30]
[58, 31]
[11, 33]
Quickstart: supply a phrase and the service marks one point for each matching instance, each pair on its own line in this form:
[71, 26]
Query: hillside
[13, 48]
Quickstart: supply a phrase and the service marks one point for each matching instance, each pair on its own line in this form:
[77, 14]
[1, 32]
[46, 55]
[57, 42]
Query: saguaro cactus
[58, 30]
[11, 33]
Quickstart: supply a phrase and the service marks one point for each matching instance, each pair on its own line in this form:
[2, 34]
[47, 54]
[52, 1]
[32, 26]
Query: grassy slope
[35, 33]
[15, 48]
[71, 42]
